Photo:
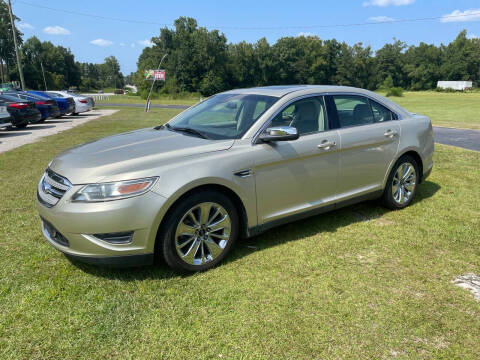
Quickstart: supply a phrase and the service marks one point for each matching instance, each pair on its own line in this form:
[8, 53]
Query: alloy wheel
[404, 182]
[202, 233]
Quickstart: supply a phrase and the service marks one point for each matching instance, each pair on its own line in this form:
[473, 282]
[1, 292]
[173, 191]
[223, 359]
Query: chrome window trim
[287, 104]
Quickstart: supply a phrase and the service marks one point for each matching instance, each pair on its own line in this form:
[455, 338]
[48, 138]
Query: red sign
[159, 75]
[155, 75]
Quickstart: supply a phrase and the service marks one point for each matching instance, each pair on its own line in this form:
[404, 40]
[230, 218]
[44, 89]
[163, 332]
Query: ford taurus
[231, 166]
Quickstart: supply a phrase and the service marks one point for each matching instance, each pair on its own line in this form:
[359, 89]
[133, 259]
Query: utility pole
[19, 62]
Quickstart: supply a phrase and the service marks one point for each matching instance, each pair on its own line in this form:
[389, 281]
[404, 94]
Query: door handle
[325, 145]
[390, 133]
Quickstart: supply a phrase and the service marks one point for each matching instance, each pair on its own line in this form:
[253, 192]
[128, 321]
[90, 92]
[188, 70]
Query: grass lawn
[360, 283]
[127, 99]
[460, 110]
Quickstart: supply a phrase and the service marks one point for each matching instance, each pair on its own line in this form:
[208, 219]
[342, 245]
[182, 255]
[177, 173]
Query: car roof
[282, 90]
[300, 90]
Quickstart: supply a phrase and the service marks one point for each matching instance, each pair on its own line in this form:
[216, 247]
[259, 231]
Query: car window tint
[306, 115]
[380, 112]
[353, 110]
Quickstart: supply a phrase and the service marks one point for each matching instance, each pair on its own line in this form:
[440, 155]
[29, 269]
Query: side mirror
[279, 133]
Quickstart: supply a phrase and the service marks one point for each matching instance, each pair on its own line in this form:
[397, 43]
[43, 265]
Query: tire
[201, 247]
[400, 190]
[21, 126]
[74, 114]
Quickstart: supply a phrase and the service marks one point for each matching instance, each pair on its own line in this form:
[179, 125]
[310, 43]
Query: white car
[82, 103]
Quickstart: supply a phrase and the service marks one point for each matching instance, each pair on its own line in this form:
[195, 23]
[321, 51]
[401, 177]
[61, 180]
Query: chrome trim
[399, 117]
[51, 188]
[244, 173]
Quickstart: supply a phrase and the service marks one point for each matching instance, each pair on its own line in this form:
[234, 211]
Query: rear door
[369, 137]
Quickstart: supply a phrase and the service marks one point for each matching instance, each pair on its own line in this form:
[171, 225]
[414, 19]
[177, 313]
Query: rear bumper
[18, 119]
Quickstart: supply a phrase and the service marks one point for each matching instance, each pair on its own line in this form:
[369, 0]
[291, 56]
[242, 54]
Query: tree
[7, 47]
[58, 62]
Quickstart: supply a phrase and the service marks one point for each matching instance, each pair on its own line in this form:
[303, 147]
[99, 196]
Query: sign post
[154, 75]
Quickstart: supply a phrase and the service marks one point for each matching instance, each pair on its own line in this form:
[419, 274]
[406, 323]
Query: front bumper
[74, 224]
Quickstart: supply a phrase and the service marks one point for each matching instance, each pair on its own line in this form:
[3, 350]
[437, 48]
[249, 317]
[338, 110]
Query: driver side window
[307, 115]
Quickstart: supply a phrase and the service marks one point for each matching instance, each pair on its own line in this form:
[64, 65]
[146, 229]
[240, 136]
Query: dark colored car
[48, 107]
[22, 111]
[66, 105]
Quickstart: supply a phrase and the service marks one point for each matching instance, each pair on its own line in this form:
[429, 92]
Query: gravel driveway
[11, 139]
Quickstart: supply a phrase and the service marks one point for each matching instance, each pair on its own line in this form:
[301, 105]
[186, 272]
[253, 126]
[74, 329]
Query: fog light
[116, 238]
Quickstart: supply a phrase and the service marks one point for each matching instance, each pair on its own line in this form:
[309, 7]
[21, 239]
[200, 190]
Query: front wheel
[401, 184]
[199, 232]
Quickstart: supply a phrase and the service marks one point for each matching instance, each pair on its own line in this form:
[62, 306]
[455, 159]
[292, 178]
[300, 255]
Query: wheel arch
[411, 152]
[231, 194]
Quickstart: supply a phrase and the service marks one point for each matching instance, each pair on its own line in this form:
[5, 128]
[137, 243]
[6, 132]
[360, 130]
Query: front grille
[51, 188]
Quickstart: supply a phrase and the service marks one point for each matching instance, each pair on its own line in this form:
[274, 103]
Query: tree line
[59, 66]
[202, 61]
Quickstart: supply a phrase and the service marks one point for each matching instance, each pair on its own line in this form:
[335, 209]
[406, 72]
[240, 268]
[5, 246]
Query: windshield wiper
[188, 131]
[181, 129]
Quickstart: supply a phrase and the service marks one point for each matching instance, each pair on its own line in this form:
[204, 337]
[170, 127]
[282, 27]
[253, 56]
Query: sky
[91, 38]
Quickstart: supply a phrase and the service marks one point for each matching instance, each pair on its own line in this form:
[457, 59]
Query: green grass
[459, 109]
[359, 283]
[164, 100]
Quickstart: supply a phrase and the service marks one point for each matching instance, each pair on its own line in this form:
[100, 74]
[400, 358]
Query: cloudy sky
[90, 30]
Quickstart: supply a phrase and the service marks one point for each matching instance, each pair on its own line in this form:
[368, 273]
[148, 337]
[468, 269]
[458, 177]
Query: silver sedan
[232, 166]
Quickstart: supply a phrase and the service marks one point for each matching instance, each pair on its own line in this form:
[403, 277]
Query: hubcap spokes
[203, 233]
[403, 183]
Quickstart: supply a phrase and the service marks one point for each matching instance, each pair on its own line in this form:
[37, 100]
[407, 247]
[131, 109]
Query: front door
[298, 175]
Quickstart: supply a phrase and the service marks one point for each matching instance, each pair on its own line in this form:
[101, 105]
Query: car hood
[130, 155]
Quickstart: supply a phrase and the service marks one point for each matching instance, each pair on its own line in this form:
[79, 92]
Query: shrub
[395, 91]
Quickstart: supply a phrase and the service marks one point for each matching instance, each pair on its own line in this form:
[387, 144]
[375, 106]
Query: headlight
[113, 190]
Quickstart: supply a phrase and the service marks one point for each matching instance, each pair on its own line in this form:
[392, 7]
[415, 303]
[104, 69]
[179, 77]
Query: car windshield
[223, 116]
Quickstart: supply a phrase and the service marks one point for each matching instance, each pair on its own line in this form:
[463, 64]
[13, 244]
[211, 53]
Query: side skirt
[256, 230]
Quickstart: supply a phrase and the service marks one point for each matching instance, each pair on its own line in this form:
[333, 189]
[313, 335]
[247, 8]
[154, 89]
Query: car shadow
[59, 121]
[327, 222]
[13, 133]
[42, 127]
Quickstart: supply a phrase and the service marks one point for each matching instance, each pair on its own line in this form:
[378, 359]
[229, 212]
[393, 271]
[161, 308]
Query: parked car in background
[66, 105]
[232, 166]
[5, 117]
[48, 107]
[22, 111]
[82, 103]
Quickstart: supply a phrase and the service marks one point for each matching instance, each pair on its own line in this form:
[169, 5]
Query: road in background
[11, 139]
[464, 138]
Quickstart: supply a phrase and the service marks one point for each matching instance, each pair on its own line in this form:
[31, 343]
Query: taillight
[19, 105]
[83, 101]
[41, 103]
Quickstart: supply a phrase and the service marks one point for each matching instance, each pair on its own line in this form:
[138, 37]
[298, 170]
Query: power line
[292, 27]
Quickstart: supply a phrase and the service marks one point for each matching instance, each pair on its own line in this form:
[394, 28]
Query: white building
[455, 85]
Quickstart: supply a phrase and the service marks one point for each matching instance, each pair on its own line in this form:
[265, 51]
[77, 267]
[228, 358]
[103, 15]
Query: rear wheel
[21, 126]
[401, 184]
[199, 231]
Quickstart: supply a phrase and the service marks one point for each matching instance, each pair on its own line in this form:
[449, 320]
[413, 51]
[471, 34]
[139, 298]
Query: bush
[395, 91]
[447, 90]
